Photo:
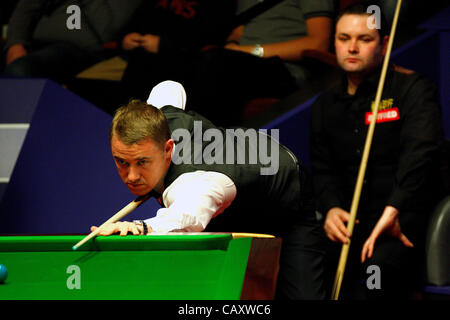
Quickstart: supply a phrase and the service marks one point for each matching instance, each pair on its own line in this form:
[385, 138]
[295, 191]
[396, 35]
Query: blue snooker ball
[3, 273]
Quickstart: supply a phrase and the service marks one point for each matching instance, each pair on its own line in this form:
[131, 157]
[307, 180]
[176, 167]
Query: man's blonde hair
[138, 121]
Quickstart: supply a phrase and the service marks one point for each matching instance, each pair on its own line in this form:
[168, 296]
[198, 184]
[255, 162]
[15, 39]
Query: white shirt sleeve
[192, 200]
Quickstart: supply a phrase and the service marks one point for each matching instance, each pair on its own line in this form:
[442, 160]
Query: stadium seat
[437, 249]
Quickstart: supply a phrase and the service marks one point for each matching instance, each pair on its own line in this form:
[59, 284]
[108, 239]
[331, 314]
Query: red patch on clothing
[185, 8]
[385, 115]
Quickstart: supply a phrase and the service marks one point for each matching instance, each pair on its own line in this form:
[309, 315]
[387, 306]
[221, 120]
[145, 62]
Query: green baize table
[161, 267]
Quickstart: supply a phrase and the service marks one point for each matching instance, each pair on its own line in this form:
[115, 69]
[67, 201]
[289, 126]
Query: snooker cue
[237, 235]
[119, 215]
[362, 169]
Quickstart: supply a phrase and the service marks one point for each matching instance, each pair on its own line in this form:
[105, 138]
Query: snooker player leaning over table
[217, 197]
[401, 184]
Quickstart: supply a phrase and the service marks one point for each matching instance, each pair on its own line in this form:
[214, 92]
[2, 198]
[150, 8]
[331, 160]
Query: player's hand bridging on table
[122, 227]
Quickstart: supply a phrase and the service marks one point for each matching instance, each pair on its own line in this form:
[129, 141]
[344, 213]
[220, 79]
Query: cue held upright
[362, 169]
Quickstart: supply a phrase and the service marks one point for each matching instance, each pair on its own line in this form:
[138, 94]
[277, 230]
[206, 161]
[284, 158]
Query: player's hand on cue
[122, 227]
[334, 225]
[387, 224]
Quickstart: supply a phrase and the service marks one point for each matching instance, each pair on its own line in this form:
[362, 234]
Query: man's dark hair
[360, 8]
[138, 121]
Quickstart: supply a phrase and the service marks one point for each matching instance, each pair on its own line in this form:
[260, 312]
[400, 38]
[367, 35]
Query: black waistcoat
[261, 198]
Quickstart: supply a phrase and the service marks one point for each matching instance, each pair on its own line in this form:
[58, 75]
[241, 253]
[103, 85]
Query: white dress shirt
[192, 200]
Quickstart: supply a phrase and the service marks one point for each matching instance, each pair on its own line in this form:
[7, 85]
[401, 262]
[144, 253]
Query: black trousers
[302, 274]
[401, 268]
[302, 270]
[302, 260]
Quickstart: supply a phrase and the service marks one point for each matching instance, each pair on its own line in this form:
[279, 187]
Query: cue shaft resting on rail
[119, 215]
[362, 169]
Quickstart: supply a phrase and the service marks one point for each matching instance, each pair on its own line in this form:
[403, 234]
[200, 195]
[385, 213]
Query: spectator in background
[400, 185]
[166, 35]
[262, 57]
[40, 44]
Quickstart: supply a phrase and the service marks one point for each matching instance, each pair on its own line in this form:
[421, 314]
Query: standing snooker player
[400, 182]
[217, 197]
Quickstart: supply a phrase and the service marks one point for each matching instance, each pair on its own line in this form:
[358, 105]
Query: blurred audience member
[59, 38]
[262, 58]
[166, 35]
